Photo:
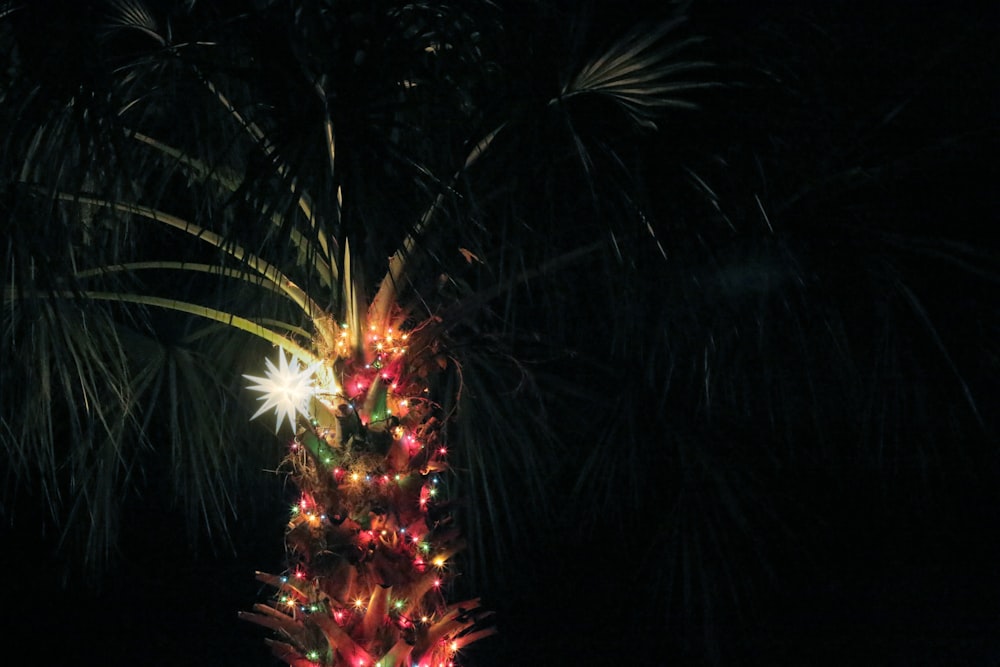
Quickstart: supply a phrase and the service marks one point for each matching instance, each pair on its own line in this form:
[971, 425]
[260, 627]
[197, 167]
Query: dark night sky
[913, 580]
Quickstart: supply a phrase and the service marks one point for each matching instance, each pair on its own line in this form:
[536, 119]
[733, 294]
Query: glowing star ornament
[286, 387]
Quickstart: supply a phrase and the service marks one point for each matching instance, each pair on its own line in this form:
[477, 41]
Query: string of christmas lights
[371, 539]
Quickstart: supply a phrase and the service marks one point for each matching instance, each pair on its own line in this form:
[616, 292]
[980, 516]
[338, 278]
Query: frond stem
[261, 139]
[395, 278]
[326, 270]
[229, 319]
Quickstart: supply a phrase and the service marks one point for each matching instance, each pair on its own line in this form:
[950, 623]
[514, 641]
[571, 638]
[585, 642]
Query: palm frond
[635, 71]
[267, 271]
[133, 15]
[74, 370]
[506, 476]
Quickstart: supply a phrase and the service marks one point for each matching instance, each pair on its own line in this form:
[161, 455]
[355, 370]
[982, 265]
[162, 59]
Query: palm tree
[311, 176]
[603, 287]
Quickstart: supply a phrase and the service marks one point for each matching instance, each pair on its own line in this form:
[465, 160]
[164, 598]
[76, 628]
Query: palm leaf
[634, 73]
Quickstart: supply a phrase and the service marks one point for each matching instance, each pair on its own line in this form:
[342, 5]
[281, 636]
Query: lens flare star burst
[286, 388]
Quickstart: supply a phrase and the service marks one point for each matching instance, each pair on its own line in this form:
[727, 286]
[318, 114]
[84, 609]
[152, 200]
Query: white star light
[286, 388]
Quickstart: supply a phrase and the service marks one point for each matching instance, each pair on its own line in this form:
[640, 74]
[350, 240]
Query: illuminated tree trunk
[370, 541]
